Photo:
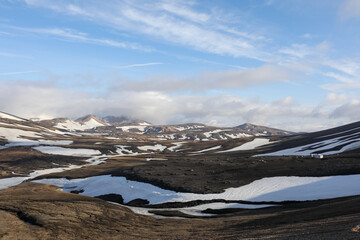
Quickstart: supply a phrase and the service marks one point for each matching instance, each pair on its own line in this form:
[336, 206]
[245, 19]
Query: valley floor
[108, 187]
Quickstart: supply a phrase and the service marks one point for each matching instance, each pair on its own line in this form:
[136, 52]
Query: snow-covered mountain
[17, 131]
[201, 132]
[123, 121]
[81, 124]
[91, 121]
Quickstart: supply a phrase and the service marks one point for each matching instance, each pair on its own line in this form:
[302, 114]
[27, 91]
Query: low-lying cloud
[213, 80]
[28, 99]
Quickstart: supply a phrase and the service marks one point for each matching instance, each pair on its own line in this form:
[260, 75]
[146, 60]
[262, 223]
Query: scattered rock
[112, 197]
[138, 202]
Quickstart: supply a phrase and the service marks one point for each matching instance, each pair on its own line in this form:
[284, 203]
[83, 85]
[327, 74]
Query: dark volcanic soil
[214, 173]
[209, 173]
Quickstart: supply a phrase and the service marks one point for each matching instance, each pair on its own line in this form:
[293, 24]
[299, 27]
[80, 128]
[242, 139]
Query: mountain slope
[28, 133]
[331, 141]
[11, 117]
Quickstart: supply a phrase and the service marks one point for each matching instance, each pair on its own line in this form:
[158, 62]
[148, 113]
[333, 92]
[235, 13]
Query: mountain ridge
[90, 121]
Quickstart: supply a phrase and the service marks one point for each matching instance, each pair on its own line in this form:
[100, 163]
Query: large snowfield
[274, 189]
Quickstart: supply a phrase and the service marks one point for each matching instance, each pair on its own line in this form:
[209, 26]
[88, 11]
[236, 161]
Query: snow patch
[257, 142]
[157, 147]
[177, 146]
[141, 128]
[238, 135]
[197, 210]
[156, 159]
[209, 134]
[208, 149]
[80, 152]
[122, 151]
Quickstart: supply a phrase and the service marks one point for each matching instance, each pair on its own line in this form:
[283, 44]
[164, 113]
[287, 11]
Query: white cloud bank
[213, 80]
[28, 99]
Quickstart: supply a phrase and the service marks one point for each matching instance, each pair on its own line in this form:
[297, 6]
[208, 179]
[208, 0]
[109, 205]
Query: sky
[293, 64]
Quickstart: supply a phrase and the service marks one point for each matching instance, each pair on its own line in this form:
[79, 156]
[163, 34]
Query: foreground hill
[36, 211]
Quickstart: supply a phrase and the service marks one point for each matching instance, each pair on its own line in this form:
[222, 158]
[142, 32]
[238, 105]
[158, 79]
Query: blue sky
[289, 64]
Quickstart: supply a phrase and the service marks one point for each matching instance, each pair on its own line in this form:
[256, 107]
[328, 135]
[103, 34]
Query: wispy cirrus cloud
[348, 66]
[337, 86]
[17, 73]
[140, 65]
[5, 33]
[345, 71]
[308, 36]
[73, 35]
[170, 21]
[183, 9]
[12, 55]
[349, 9]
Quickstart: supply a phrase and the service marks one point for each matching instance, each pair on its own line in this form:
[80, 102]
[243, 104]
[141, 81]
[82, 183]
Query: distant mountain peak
[262, 130]
[91, 120]
[123, 120]
[86, 118]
